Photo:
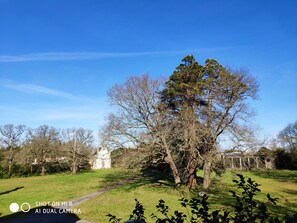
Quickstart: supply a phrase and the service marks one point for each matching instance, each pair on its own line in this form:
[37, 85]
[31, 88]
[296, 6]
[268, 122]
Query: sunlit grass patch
[55, 188]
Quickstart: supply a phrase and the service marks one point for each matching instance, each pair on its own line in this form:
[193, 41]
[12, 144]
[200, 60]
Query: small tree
[288, 136]
[44, 144]
[78, 143]
[286, 158]
[10, 138]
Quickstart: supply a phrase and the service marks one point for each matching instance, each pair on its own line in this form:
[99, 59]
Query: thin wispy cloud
[87, 113]
[58, 56]
[37, 89]
[65, 117]
[62, 56]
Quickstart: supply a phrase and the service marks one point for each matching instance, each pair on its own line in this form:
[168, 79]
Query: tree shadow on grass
[279, 175]
[278, 210]
[219, 193]
[45, 214]
[9, 191]
[114, 178]
[220, 198]
[225, 201]
[289, 191]
[153, 176]
[157, 174]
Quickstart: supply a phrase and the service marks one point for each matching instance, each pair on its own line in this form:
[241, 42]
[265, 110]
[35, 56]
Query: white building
[101, 159]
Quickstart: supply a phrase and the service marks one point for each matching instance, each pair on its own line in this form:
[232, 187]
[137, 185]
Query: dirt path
[99, 192]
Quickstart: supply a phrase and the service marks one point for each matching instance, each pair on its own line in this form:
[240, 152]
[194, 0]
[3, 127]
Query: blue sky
[59, 57]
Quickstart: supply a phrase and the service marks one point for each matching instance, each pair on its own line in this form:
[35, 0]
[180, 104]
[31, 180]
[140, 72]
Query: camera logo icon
[14, 207]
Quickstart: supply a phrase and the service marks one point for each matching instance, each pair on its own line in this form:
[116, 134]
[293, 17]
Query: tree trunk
[191, 143]
[74, 157]
[42, 169]
[74, 165]
[43, 163]
[168, 159]
[10, 162]
[191, 170]
[191, 176]
[207, 172]
[74, 168]
[10, 167]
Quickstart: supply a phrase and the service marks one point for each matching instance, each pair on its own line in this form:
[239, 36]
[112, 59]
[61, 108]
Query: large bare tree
[141, 120]
[11, 138]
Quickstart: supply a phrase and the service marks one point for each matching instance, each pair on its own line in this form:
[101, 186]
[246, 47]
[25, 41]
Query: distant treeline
[43, 150]
[26, 151]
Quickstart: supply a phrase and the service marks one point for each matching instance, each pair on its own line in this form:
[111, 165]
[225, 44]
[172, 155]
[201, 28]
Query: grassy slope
[120, 201]
[55, 188]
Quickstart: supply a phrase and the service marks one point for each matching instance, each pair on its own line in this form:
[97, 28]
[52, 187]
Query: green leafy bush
[285, 159]
[3, 173]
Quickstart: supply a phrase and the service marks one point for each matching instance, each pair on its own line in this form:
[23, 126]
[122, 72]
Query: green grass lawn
[280, 184]
[55, 188]
[148, 190]
[120, 202]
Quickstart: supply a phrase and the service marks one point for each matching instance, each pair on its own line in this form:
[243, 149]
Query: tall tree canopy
[209, 100]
